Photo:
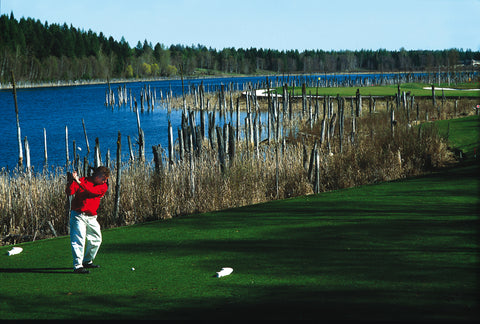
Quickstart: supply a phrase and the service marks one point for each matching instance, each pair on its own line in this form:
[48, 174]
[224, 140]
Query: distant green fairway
[402, 250]
[415, 89]
[464, 133]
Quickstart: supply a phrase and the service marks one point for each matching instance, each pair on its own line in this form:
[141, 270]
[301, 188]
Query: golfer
[85, 234]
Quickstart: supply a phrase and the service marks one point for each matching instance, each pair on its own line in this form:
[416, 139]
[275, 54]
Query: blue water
[55, 108]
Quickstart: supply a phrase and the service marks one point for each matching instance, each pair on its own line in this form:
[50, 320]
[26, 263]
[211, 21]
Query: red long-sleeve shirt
[87, 195]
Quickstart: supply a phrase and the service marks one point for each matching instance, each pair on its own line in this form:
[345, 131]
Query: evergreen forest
[42, 52]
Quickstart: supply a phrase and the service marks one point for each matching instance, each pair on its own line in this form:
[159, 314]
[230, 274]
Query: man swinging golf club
[85, 234]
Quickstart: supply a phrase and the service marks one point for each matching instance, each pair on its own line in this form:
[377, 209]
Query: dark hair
[102, 170]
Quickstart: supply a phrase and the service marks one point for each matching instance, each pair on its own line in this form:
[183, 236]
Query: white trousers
[85, 238]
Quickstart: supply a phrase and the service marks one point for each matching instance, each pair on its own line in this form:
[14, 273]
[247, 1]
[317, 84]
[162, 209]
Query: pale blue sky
[270, 24]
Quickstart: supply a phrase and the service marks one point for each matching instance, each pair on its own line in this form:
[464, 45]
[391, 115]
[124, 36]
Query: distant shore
[70, 83]
[27, 85]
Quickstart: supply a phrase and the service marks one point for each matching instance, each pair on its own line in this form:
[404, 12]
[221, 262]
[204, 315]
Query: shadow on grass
[283, 302]
[37, 270]
[349, 269]
[404, 251]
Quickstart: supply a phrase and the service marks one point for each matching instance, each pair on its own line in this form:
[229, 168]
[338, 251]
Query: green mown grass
[415, 89]
[462, 133]
[402, 250]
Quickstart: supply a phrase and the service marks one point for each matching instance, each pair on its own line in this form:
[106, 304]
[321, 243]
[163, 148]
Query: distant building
[471, 62]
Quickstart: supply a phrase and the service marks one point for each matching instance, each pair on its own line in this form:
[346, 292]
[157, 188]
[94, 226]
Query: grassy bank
[462, 133]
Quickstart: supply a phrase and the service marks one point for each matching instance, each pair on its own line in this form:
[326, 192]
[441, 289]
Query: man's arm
[93, 190]
[72, 185]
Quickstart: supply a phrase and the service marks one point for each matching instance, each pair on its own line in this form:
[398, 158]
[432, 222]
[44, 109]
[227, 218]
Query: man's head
[101, 175]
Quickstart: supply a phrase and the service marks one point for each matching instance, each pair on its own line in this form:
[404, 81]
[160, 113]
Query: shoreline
[70, 83]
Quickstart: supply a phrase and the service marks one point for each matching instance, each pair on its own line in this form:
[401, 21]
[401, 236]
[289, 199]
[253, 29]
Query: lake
[54, 108]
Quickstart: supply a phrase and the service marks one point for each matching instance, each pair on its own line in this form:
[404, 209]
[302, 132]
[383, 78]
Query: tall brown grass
[34, 207]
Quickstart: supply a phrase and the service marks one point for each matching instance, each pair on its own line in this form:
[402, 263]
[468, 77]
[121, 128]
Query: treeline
[37, 51]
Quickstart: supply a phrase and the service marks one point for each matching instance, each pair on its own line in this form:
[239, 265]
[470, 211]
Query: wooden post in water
[221, 148]
[323, 130]
[225, 139]
[19, 133]
[231, 104]
[352, 134]
[317, 172]
[312, 162]
[141, 145]
[398, 96]
[200, 95]
[183, 89]
[97, 157]
[418, 113]
[138, 121]
[107, 159]
[331, 128]
[202, 123]
[191, 121]
[412, 102]
[130, 149]
[74, 147]
[221, 98]
[27, 156]
[238, 120]
[358, 102]
[157, 158]
[85, 166]
[341, 120]
[443, 103]
[141, 149]
[86, 137]
[290, 106]
[67, 163]
[331, 131]
[170, 143]
[269, 113]
[181, 146]
[45, 147]
[305, 157]
[304, 98]
[285, 99]
[433, 95]
[192, 165]
[277, 175]
[68, 201]
[392, 122]
[109, 94]
[199, 140]
[255, 135]
[231, 143]
[118, 181]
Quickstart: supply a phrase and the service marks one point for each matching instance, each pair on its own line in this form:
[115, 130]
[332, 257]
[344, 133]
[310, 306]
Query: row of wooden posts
[190, 136]
[224, 139]
[148, 96]
[252, 122]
